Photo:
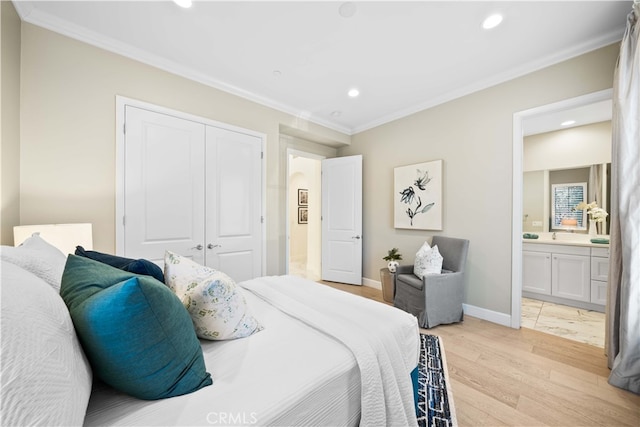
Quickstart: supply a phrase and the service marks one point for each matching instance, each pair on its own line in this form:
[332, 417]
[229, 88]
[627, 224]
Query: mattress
[290, 373]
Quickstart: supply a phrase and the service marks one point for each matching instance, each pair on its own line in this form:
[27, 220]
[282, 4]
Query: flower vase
[393, 265]
[593, 228]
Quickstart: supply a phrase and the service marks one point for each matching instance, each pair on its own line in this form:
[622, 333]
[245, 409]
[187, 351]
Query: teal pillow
[136, 333]
[138, 266]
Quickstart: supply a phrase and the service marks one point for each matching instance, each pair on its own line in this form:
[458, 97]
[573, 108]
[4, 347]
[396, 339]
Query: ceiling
[302, 57]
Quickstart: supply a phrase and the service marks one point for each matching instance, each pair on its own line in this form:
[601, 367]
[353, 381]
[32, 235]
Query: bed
[323, 357]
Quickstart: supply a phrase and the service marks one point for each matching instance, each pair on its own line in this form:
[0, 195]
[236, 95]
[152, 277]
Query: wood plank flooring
[507, 377]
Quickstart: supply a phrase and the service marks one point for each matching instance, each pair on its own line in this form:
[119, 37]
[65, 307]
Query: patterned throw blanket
[435, 402]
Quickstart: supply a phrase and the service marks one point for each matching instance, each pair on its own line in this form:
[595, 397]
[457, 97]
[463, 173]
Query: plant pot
[388, 281]
[392, 266]
[593, 228]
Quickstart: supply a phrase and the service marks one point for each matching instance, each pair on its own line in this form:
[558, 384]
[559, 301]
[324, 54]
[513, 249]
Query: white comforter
[385, 353]
[294, 372]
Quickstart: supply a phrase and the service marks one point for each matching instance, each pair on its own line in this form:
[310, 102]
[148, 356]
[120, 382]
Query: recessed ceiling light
[353, 93]
[183, 3]
[336, 113]
[347, 9]
[492, 21]
[277, 73]
[568, 123]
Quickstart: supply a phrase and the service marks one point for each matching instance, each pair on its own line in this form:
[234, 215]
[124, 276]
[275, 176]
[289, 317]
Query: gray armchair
[435, 299]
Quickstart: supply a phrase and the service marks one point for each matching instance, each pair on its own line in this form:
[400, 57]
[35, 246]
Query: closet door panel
[164, 186]
[233, 203]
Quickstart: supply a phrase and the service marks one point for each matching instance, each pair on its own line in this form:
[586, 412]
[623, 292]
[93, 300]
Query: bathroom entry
[304, 209]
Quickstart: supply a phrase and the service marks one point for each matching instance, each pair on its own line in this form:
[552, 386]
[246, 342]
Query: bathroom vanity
[567, 270]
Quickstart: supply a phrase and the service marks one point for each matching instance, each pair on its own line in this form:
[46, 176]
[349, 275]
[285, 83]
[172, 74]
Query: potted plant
[393, 256]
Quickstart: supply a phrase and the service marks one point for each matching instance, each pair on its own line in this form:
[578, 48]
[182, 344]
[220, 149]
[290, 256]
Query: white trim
[516, 219]
[376, 284]
[488, 315]
[121, 103]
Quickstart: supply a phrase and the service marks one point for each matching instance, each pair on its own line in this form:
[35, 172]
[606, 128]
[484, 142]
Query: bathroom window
[564, 198]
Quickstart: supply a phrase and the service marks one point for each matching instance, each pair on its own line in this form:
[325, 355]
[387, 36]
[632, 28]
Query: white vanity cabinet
[565, 274]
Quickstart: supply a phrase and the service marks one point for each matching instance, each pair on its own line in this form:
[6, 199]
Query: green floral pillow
[216, 304]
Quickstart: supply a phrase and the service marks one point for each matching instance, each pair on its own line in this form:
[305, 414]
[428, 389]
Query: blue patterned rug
[435, 402]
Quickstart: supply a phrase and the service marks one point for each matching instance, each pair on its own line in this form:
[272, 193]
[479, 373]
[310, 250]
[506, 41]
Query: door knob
[199, 247]
[355, 237]
[211, 246]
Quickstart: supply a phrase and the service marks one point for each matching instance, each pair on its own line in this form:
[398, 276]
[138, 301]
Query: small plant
[393, 255]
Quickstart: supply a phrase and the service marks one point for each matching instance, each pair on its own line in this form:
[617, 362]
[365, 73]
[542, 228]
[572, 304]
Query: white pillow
[428, 261]
[217, 306]
[46, 378]
[38, 257]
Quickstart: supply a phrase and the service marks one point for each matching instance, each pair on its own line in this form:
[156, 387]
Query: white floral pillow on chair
[216, 304]
[428, 261]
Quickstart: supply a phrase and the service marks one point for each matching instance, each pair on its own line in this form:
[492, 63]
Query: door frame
[517, 179]
[121, 103]
[308, 155]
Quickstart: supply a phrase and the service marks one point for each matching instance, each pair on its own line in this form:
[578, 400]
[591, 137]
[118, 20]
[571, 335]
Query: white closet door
[164, 202]
[233, 203]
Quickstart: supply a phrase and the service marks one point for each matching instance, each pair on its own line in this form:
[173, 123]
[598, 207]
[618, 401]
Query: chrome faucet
[553, 236]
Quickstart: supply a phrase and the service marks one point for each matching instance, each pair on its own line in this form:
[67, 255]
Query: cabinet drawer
[599, 268]
[601, 252]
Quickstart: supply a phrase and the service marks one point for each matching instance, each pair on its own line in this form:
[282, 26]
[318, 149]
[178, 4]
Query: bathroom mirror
[579, 154]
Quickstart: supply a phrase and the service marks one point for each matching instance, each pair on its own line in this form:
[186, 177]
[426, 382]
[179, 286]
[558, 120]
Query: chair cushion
[428, 261]
[138, 266]
[411, 280]
[135, 332]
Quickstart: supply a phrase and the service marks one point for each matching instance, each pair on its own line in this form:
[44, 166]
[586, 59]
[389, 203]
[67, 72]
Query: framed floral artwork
[303, 215]
[417, 196]
[303, 197]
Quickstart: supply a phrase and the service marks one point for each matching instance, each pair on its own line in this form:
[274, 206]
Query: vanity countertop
[567, 239]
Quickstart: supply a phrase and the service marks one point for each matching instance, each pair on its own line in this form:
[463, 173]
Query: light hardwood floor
[507, 377]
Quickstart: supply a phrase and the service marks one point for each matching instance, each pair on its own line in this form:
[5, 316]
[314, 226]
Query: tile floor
[569, 322]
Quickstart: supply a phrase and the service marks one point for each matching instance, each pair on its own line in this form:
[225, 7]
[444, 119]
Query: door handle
[199, 247]
[212, 246]
[355, 237]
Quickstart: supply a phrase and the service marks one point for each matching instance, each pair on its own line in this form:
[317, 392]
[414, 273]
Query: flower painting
[417, 196]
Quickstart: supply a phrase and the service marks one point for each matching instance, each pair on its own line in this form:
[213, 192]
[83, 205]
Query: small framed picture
[303, 197]
[303, 214]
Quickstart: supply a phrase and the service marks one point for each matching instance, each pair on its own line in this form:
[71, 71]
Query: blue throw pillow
[136, 333]
[138, 266]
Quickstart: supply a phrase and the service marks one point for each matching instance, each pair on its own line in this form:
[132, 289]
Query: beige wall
[568, 148]
[473, 135]
[9, 121]
[68, 133]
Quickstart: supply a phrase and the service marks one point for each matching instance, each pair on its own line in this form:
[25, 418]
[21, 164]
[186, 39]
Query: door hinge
[261, 155]
[124, 128]
[261, 220]
[123, 221]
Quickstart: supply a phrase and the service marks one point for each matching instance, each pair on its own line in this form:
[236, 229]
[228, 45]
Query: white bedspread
[386, 353]
[292, 372]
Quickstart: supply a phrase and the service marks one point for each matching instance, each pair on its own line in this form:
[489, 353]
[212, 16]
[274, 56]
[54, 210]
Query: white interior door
[164, 192]
[233, 201]
[342, 220]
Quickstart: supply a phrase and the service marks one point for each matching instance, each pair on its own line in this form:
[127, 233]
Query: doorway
[522, 121]
[304, 226]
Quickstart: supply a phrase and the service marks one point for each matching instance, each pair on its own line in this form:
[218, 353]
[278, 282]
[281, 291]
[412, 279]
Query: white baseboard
[471, 310]
[488, 315]
[372, 283]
